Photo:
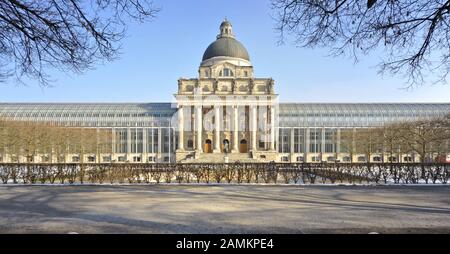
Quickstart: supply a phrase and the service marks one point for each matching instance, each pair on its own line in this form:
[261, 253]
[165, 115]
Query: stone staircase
[220, 158]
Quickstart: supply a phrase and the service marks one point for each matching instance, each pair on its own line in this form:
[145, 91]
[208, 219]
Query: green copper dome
[226, 45]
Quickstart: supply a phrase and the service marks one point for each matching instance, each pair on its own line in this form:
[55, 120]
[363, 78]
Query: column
[113, 148]
[198, 116]
[272, 129]
[144, 145]
[128, 144]
[181, 128]
[253, 126]
[322, 135]
[292, 141]
[235, 129]
[307, 140]
[322, 149]
[217, 129]
[338, 141]
[160, 146]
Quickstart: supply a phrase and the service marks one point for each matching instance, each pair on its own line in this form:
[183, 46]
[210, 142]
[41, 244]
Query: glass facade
[146, 133]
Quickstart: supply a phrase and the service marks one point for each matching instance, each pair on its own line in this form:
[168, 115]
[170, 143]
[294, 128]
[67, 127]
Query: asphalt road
[224, 209]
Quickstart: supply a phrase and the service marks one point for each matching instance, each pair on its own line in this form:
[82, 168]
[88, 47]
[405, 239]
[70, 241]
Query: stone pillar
[113, 148]
[253, 126]
[128, 144]
[144, 145]
[235, 129]
[198, 116]
[292, 142]
[160, 145]
[307, 141]
[216, 129]
[338, 141]
[181, 128]
[272, 128]
[322, 135]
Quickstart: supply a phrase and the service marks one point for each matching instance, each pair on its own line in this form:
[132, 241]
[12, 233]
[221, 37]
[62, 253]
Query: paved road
[224, 209]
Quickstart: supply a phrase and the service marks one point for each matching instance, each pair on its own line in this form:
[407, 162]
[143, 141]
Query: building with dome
[225, 114]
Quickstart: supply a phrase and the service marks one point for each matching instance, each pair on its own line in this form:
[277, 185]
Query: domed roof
[225, 23]
[226, 45]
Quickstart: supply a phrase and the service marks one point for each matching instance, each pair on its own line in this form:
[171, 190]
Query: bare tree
[348, 142]
[426, 137]
[68, 35]
[415, 35]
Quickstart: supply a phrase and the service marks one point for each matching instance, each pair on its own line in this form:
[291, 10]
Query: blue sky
[155, 54]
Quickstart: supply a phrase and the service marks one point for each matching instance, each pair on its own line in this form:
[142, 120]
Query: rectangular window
[152, 140]
[299, 140]
[330, 140]
[315, 141]
[284, 141]
[121, 136]
[136, 141]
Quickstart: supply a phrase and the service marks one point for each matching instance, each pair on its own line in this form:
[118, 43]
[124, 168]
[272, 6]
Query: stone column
[272, 129]
[216, 129]
[253, 126]
[113, 148]
[128, 144]
[144, 145]
[292, 141]
[198, 116]
[235, 129]
[181, 128]
[307, 140]
[160, 145]
[338, 141]
[322, 135]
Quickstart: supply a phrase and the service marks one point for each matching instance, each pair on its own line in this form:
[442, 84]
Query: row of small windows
[13, 114]
[93, 159]
[393, 114]
[348, 159]
[226, 72]
[357, 115]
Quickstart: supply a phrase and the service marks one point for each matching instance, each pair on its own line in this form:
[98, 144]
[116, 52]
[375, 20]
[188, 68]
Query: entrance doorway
[243, 146]
[208, 146]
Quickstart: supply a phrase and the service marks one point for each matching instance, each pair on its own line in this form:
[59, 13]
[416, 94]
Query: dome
[226, 45]
[225, 23]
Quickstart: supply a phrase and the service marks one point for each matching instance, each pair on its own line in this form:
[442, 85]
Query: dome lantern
[226, 45]
[226, 29]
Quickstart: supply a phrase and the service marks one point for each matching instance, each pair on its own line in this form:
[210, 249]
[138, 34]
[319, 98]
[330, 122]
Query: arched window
[226, 73]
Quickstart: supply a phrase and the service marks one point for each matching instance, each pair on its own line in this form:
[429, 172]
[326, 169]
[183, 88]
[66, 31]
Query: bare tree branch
[68, 35]
[413, 35]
